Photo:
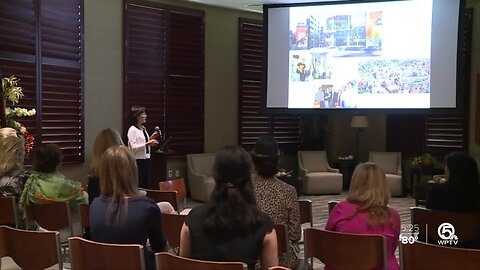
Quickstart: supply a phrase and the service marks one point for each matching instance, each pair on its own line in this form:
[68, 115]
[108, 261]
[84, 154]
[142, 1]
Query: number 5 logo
[446, 231]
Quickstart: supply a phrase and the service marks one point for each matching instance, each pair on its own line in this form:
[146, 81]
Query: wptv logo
[445, 231]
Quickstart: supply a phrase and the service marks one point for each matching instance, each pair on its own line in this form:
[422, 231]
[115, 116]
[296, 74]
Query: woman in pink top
[366, 210]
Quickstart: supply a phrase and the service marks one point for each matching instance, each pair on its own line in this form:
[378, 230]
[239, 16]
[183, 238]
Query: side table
[346, 168]
[419, 187]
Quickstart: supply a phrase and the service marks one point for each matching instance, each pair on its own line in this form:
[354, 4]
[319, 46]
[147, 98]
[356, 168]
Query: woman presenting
[140, 142]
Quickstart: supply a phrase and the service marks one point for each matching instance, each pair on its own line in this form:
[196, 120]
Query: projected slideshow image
[346, 60]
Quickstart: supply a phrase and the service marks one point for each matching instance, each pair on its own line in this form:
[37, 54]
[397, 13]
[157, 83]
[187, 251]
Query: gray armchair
[200, 179]
[391, 163]
[317, 176]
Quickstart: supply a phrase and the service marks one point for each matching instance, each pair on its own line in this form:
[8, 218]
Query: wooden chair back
[306, 211]
[432, 257]
[331, 205]
[179, 186]
[282, 238]
[52, 216]
[325, 246]
[171, 228]
[170, 196]
[467, 225]
[8, 211]
[86, 254]
[31, 250]
[168, 261]
[278, 267]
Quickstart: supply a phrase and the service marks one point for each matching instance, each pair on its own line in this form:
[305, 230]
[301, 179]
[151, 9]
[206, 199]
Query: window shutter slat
[252, 124]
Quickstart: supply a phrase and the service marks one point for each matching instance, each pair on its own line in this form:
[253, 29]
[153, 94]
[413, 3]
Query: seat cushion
[323, 183]
[394, 183]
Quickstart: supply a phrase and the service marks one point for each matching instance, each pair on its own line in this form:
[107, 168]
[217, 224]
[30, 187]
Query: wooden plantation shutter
[18, 51]
[445, 134]
[164, 71]
[252, 123]
[61, 34]
[145, 63]
[185, 96]
[52, 31]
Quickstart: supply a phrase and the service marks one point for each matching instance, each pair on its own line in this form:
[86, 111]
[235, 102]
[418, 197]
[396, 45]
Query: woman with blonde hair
[122, 214]
[7, 132]
[366, 210]
[106, 138]
[12, 174]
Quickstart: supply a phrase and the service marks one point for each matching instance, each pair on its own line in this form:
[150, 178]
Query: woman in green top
[46, 184]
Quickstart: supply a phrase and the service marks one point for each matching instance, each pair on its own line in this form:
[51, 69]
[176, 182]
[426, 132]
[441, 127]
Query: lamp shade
[359, 121]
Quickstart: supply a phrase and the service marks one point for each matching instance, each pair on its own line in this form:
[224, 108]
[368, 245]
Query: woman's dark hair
[266, 167]
[46, 158]
[135, 112]
[232, 209]
[265, 156]
[462, 171]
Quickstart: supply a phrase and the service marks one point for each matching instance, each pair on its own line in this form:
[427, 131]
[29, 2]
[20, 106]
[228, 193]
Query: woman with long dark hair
[230, 227]
[461, 191]
[275, 197]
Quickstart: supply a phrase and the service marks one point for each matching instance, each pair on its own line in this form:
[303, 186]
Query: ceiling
[249, 5]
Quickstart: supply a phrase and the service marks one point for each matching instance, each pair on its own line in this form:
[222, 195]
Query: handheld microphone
[157, 129]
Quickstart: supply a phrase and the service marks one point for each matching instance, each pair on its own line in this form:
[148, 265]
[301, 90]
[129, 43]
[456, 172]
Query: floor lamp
[359, 122]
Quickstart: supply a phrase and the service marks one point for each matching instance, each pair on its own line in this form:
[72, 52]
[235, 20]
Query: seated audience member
[230, 227]
[46, 184]
[7, 132]
[366, 210]
[122, 215]
[461, 191]
[106, 138]
[12, 174]
[275, 197]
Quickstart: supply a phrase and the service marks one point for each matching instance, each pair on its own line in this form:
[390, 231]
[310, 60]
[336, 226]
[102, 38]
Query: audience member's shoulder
[99, 200]
[267, 222]
[394, 213]
[287, 189]
[144, 200]
[345, 204]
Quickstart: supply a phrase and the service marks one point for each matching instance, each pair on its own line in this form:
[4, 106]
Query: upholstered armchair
[317, 176]
[391, 163]
[200, 179]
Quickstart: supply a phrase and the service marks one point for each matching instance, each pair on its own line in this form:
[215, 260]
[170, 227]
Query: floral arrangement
[425, 160]
[12, 93]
